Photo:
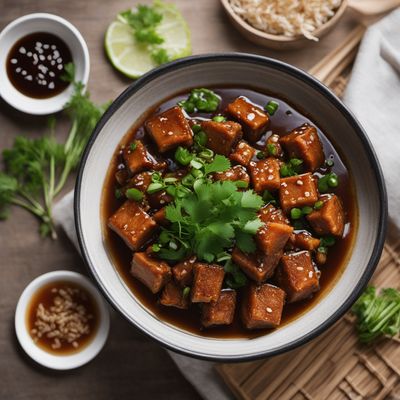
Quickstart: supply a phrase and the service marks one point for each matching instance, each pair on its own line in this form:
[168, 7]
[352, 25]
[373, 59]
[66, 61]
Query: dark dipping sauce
[35, 65]
[62, 301]
[284, 120]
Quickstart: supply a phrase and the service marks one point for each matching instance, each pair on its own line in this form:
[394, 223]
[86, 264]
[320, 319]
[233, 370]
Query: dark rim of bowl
[334, 100]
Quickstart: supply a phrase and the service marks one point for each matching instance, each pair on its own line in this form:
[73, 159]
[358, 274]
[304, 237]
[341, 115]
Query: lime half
[132, 58]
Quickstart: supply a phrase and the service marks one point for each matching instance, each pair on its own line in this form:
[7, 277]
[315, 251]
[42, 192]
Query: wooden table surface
[130, 366]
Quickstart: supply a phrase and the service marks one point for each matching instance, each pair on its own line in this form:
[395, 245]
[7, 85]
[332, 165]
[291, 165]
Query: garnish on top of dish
[62, 318]
[226, 212]
[286, 17]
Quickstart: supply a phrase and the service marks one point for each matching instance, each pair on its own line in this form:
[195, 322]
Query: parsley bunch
[377, 314]
[36, 169]
[209, 220]
[144, 22]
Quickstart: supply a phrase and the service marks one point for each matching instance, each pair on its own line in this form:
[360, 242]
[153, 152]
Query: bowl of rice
[283, 24]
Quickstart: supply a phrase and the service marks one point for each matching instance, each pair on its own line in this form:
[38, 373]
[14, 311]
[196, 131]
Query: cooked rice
[286, 17]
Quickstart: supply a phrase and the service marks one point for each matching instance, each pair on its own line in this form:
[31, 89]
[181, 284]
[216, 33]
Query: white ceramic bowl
[61, 362]
[42, 22]
[299, 89]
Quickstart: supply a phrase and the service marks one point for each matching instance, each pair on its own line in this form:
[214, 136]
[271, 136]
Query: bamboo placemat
[334, 366]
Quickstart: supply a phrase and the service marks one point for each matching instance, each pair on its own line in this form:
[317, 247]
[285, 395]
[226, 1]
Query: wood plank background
[130, 366]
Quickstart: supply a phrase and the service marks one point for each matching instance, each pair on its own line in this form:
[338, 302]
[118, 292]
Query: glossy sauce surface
[46, 296]
[35, 65]
[284, 120]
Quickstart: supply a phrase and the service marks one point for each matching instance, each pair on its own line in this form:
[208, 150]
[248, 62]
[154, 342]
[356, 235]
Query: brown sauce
[284, 120]
[77, 331]
[35, 65]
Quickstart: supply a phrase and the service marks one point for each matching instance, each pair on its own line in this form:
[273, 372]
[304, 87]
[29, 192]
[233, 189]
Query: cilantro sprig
[210, 219]
[144, 22]
[377, 314]
[36, 170]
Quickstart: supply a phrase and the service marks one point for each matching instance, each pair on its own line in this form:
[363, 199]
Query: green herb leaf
[201, 100]
[68, 74]
[219, 164]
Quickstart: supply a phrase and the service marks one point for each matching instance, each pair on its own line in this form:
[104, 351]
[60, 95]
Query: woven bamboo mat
[334, 366]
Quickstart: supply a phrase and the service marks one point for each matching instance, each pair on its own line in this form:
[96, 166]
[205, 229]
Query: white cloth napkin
[373, 94]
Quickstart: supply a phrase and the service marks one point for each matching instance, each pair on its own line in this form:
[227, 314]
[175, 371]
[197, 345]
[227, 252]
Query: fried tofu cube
[160, 217]
[265, 174]
[172, 296]
[136, 160]
[304, 240]
[159, 199]
[252, 118]
[151, 272]
[243, 153]
[304, 143]
[262, 306]
[183, 272]
[297, 276]
[256, 266]
[132, 224]
[170, 129]
[236, 173]
[140, 181]
[220, 312]
[272, 143]
[222, 137]
[272, 237]
[269, 213]
[298, 191]
[329, 219]
[207, 282]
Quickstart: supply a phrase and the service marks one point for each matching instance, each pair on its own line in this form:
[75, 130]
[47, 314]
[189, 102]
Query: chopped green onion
[133, 146]
[118, 194]
[196, 128]
[327, 241]
[206, 153]
[196, 164]
[156, 177]
[201, 138]
[182, 191]
[260, 155]
[318, 205]
[296, 162]
[155, 187]
[333, 181]
[295, 213]
[186, 291]
[196, 173]
[219, 118]
[329, 163]
[327, 181]
[188, 180]
[156, 248]
[285, 171]
[171, 190]
[183, 156]
[134, 194]
[272, 149]
[322, 249]
[170, 180]
[271, 107]
[307, 210]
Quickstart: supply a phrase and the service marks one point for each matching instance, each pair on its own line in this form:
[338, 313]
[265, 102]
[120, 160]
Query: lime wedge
[133, 59]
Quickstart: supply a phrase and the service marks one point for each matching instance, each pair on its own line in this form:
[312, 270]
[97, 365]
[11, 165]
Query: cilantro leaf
[253, 226]
[219, 164]
[68, 74]
[160, 56]
[8, 189]
[251, 200]
[245, 242]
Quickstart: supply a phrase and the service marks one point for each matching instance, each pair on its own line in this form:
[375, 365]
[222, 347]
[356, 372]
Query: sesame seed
[286, 192]
[299, 182]
[307, 194]
[310, 274]
[300, 268]
[269, 309]
[251, 116]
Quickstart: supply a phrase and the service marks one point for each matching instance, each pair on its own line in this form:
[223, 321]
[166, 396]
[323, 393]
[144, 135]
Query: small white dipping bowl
[61, 362]
[42, 22]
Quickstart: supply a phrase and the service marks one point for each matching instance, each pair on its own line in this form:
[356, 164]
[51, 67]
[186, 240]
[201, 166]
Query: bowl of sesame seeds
[40, 55]
[61, 321]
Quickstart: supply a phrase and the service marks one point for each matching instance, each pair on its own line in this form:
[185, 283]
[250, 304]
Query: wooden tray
[334, 366]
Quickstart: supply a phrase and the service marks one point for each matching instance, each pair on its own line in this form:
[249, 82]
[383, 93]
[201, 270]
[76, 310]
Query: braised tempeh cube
[253, 119]
[243, 153]
[269, 213]
[297, 276]
[160, 217]
[220, 312]
[173, 296]
[207, 282]
[304, 143]
[140, 181]
[132, 224]
[236, 173]
[136, 160]
[298, 191]
[222, 136]
[256, 266]
[265, 174]
[273, 147]
[303, 240]
[272, 237]
[170, 129]
[183, 271]
[151, 272]
[330, 219]
[262, 306]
